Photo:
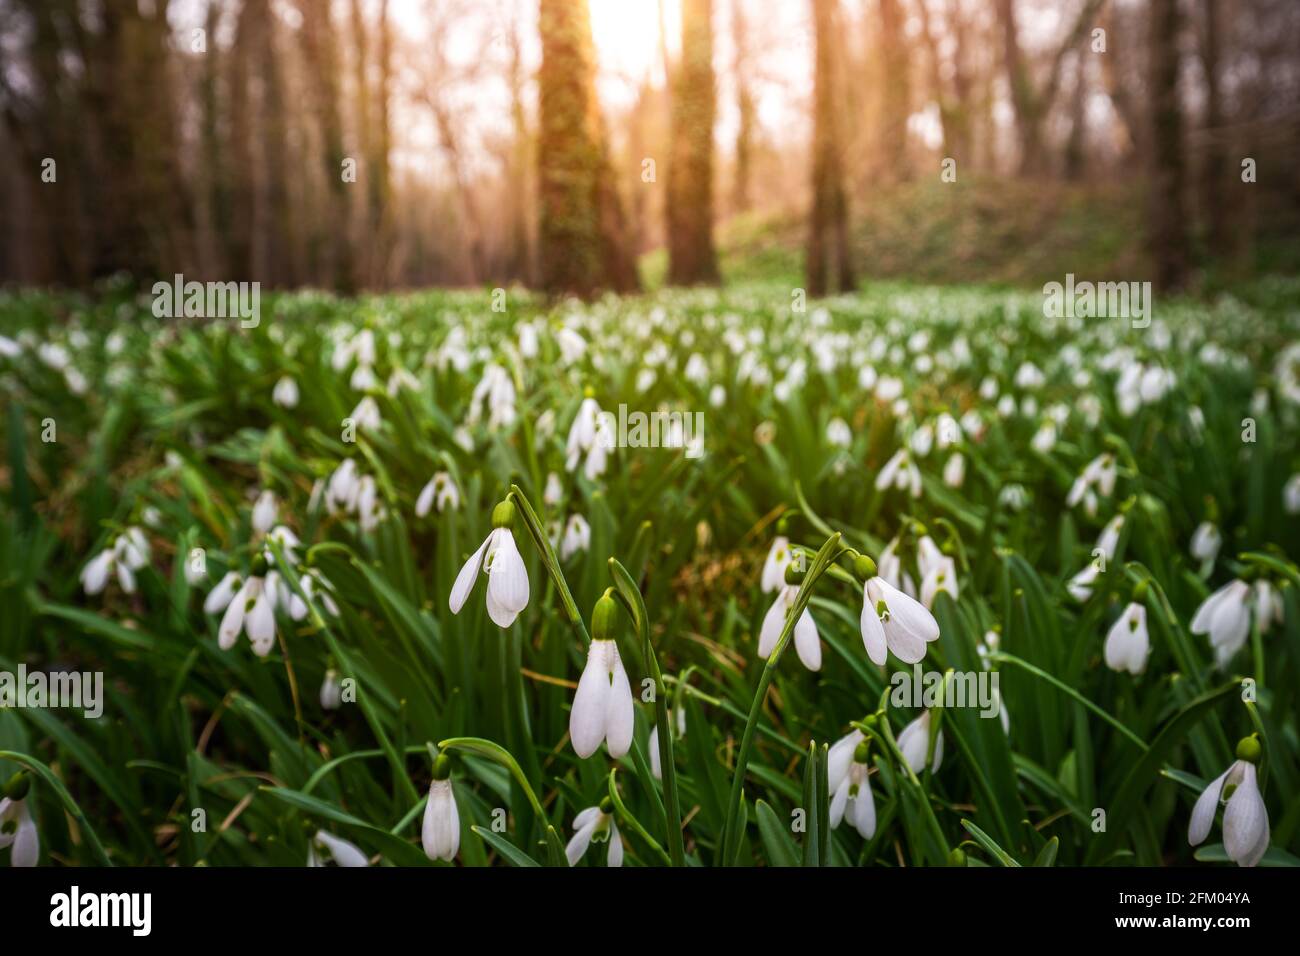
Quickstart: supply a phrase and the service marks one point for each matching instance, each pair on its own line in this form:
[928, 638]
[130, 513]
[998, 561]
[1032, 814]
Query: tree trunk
[1168, 173]
[896, 104]
[827, 262]
[691, 256]
[746, 111]
[1214, 172]
[579, 209]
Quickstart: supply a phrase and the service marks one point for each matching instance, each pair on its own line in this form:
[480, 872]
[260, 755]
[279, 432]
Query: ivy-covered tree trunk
[827, 262]
[692, 259]
[580, 217]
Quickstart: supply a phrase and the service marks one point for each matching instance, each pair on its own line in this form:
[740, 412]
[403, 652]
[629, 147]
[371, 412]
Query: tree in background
[1168, 170]
[827, 263]
[580, 247]
[691, 257]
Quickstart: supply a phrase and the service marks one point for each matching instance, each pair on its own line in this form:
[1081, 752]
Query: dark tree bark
[579, 216]
[827, 262]
[321, 52]
[1215, 171]
[1168, 172]
[692, 259]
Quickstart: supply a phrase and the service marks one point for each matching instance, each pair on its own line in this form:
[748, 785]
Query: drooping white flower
[807, 642]
[594, 825]
[285, 393]
[941, 577]
[892, 621]
[251, 611]
[440, 832]
[1127, 644]
[366, 414]
[265, 511]
[1291, 495]
[577, 537]
[1268, 605]
[778, 557]
[954, 470]
[1080, 586]
[1224, 617]
[554, 492]
[852, 797]
[331, 691]
[440, 492]
[602, 711]
[499, 558]
[219, 597]
[914, 743]
[838, 434]
[1245, 816]
[1206, 541]
[656, 768]
[582, 433]
[1044, 439]
[18, 831]
[342, 852]
[901, 473]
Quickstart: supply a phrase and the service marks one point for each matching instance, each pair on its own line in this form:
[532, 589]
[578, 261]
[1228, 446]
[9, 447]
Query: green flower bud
[864, 568]
[503, 515]
[860, 752]
[603, 617]
[793, 575]
[957, 857]
[441, 767]
[1140, 591]
[18, 785]
[1249, 750]
[259, 566]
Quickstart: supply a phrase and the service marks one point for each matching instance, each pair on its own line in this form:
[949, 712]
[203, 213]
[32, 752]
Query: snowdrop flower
[954, 471]
[440, 492]
[717, 396]
[1268, 606]
[594, 825]
[1108, 540]
[899, 472]
[577, 537]
[779, 556]
[363, 379]
[893, 621]
[313, 589]
[922, 441]
[128, 554]
[554, 492]
[852, 797]
[572, 345]
[941, 577]
[331, 691]
[947, 431]
[342, 852]
[1224, 617]
[1080, 586]
[284, 539]
[838, 434]
[587, 436]
[285, 393]
[807, 642]
[265, 511]
[602, 706]
[499, 558]
[914, 743]
[341, 490]
[1127, 644]
[251, 611]
[366, 414]
[1245, 817]
[839, 757]
[498, 390]
[219, 597]
[1291, 495]
[17, 829]
[440, 833]
[1206, 541]
[653, 743]
[1044, 439]
[1028, 376]
[399, 379]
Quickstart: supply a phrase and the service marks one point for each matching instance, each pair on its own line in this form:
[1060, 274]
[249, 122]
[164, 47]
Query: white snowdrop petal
[464, 584]
[590, 704]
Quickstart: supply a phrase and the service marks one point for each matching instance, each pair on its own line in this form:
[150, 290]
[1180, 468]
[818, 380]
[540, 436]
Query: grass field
[1038, 485]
